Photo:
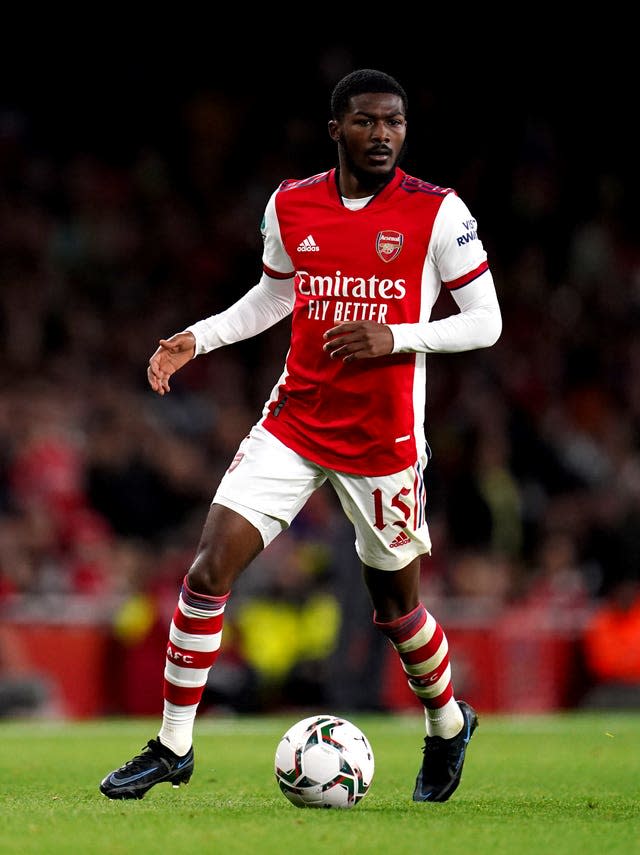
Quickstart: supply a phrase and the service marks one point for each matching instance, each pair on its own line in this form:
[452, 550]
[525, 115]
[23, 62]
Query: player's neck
[358, 185]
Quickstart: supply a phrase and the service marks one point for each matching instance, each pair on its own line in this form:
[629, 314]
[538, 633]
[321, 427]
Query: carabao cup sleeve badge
[389, 244]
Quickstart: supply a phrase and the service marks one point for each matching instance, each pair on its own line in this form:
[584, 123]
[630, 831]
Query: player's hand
[171, 355]
[358, 340]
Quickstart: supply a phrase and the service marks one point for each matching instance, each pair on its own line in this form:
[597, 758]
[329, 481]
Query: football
[324, 761]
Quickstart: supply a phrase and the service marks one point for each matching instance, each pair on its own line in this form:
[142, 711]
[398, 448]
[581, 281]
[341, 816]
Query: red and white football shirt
[386, 263]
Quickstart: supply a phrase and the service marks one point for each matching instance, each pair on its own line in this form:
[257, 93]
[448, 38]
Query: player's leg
[423, 650]
[277, 482]
[229, 542]
[419, 641]
[391, 536]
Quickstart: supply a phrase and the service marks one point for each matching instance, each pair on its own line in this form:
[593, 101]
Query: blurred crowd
[534, 486]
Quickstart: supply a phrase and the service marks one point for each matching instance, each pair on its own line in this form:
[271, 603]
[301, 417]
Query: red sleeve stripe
[468, 277]
[275, 274]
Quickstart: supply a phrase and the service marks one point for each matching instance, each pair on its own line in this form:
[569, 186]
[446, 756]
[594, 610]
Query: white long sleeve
[261, 307]
[477, 325]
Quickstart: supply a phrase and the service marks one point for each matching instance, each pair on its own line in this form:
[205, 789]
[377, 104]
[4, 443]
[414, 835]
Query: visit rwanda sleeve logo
[389, 244]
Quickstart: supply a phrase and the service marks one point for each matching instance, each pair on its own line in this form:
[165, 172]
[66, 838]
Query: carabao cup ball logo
[389, 244]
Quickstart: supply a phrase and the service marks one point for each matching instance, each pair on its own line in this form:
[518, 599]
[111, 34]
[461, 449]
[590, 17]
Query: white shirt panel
[455, 246]
[273, 255]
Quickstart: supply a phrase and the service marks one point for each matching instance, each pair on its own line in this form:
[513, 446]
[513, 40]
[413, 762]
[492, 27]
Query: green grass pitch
[567, 783]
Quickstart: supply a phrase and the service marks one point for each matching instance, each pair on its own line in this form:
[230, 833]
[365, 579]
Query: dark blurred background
[133, 177]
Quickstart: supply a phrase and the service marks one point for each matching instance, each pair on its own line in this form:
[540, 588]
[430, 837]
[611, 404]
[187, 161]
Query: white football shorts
[268, 484]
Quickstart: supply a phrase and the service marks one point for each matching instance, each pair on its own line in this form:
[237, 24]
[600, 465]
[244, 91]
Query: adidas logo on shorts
[400, 540]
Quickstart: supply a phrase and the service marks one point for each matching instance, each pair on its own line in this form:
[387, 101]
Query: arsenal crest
[389, 244]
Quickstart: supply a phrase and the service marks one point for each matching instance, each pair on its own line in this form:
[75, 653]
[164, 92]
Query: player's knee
[229, 543]
[209, 574]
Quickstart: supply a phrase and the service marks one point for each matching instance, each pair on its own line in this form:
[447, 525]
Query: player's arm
[260, 308]
[264, 305]
[478, 323]
[268, 302]
[461, 261]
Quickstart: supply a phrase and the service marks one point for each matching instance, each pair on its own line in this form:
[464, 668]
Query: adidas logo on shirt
[308, 245]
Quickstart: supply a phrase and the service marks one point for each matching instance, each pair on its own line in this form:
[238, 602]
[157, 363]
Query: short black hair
[361, 81]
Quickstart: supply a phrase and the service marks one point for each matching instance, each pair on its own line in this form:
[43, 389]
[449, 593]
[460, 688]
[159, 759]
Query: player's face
[371, 134]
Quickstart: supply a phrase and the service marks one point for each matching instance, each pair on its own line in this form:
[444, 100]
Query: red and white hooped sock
[195, 636]
[424, 652]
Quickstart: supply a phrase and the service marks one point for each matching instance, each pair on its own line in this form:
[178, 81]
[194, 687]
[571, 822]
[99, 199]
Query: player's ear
[334, 130]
